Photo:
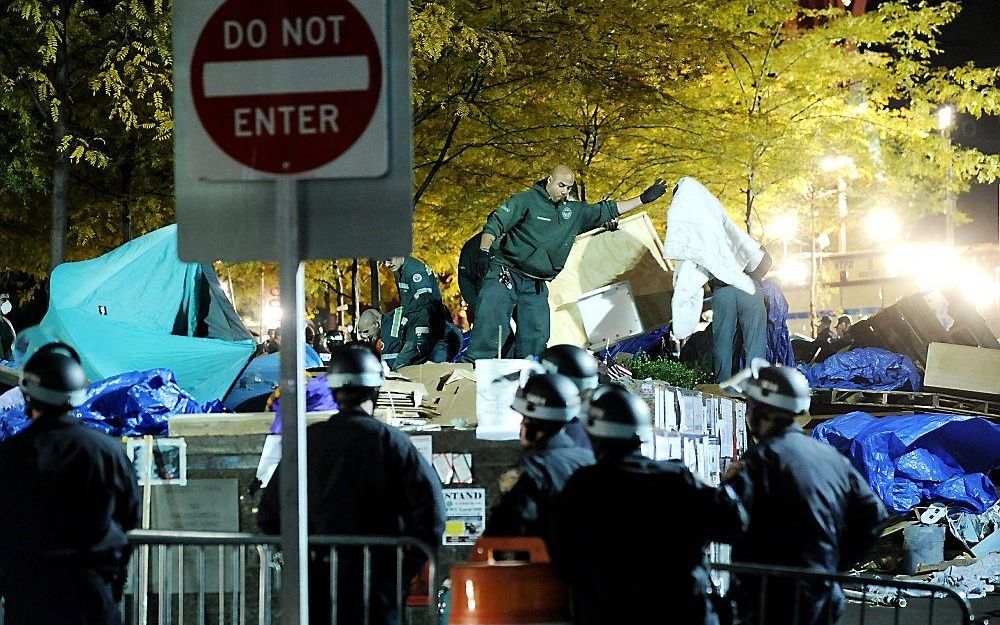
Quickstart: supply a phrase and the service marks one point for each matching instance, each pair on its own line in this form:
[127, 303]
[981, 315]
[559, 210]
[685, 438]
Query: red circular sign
[286, 87]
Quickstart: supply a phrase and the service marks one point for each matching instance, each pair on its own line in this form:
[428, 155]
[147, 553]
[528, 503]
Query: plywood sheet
[600, 258]
[974, 370]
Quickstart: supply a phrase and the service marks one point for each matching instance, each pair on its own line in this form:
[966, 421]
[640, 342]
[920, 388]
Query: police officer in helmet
[547, 402]
[69, 497]
[364, 478]
[620, 578]
[792, 481]
[580, 367]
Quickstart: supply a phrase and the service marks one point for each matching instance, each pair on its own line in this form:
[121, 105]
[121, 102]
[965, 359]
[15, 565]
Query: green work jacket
[535, 235]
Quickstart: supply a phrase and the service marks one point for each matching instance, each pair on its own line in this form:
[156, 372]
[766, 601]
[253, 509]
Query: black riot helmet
[615, 413]
[573, 362]
[547, 397]
[354, 366]
[53, 380]
[783, 389]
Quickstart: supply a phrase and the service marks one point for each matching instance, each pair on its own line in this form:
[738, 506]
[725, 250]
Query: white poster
[465, 515]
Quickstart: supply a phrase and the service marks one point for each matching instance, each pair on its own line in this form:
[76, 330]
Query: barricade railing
[218, 578]
[767, 595]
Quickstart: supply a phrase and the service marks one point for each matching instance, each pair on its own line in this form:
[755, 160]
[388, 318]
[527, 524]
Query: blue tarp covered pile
[869, 368]
[917, 459]
[132, 404]
[139, 308]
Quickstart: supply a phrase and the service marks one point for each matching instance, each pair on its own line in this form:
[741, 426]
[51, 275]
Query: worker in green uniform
[533, 232]
[421, 323]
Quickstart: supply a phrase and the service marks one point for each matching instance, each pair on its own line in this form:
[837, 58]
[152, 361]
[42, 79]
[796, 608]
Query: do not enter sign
[291, 86]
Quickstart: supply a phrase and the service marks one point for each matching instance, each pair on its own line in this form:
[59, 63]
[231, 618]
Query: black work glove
[611, 225]
[654, 191]
[482, 262]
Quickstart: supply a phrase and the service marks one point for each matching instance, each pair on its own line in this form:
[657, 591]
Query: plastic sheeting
[319, 398]
[869, 368]
[918, 459]
[138, 308]
[132, 404]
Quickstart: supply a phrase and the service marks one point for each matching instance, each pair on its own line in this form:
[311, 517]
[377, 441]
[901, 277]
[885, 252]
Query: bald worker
[533, 232]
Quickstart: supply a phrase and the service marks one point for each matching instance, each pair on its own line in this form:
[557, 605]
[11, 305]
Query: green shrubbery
[670, 371]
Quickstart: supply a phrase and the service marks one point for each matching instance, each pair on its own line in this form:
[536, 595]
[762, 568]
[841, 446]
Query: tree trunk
[60, 166]
[126, 190]
[355, 297]
[750, 198]
[376, 285]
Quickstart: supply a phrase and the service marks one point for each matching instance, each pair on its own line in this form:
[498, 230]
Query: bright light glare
[937, 267]
[823, 240]
[792, 271]
[946, 116]
[883, 226]
[784, 226]
[835, 163]
[272, 317]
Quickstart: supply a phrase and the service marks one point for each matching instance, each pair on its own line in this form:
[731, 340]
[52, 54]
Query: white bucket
[494, 394]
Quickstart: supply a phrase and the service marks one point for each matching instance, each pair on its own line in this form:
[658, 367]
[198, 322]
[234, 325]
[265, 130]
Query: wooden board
[962, 368]
[230, 424]
[599, 258]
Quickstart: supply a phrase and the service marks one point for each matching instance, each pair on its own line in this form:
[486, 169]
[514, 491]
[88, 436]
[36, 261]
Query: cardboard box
[963, 369]
[451, 389]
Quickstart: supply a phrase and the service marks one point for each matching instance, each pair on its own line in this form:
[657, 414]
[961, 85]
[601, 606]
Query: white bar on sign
[278, 76]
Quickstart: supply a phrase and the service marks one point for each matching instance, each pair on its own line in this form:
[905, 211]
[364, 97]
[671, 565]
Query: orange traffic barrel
[493, 590]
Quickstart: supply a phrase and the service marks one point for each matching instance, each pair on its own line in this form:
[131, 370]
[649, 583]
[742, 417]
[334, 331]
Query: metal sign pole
[294, 504]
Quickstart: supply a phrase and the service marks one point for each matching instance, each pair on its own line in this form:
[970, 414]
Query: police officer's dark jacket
[629, 536]
[365, 477]
[68, 495]
[808, 508]
[67, 492]
[524, 509]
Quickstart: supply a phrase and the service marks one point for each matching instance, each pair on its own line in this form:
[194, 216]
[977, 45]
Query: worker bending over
[421, 328]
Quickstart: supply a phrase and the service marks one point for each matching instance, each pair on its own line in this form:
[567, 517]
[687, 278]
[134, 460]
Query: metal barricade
[768, 595]
[235, 579]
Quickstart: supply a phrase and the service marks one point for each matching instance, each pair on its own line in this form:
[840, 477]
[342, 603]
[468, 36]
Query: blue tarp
[263, 375]
[869, 368]
[917, 459]
[132, 404]
[138, 308]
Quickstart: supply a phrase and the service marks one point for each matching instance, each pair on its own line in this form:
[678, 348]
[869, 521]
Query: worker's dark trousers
[731, 306]
[496, 305]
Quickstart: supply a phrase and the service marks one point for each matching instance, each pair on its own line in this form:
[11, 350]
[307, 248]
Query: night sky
[973, 36]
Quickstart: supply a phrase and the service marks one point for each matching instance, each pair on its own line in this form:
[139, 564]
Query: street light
[883, 225]
[841, 165]
[946, 119]
[784, 227]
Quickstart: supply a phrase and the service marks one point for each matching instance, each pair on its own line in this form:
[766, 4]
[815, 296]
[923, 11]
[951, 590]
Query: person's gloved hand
[482, 262]
[654, 191]
[611, 225]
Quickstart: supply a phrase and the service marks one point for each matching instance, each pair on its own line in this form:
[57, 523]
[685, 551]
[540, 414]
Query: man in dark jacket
[617, 572]
[533, 233]
[69, 497]
[548, 402]
[364, 478]
[808, 507]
